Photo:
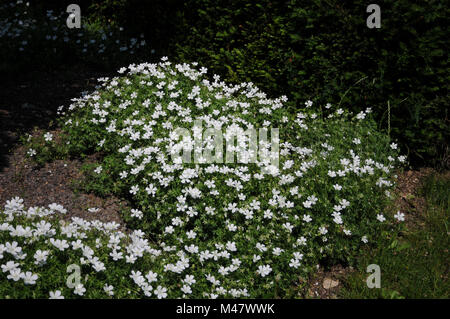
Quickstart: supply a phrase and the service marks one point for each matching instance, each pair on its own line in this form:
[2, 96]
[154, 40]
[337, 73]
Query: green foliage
[40, 243]
[319, 49]
[159, 20]
[35, 36]
[436, 190]
[414, 265]
[254, 226]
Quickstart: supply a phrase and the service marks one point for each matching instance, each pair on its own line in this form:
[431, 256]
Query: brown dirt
[52, 183]
[406, 199]
[315, 286]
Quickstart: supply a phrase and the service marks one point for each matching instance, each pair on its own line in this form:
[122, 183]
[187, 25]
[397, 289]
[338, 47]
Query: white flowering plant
[239, 229]
[38, 249]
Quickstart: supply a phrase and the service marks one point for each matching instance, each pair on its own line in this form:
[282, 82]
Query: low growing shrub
[241, 229]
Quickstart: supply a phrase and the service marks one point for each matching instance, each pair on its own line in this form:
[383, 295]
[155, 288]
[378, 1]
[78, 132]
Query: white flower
[29, 278]
[116, 255]
[160, 292]
[137, 213]
[380, 217]
[402, 158]
[169, 230]
[186, 289]
[98, 170]
[361, 115]
[31, 152]
[399, 216]
[301, 241]
[58, 208]
[264, 270]
[277, 251]
[101, 143]
[40, 257]
[298, 255]
[134, 189]
[60, 244]
[56, 295]
[13, 248]
[10, 265]
[151, 276]
[191, 234]
[364, 239]
[130, 259]
[151, 190]
[79, 290]
[15, 274]
[123, 174]
[261, 247]
[189, 280]
[307, 204]
[48, 136]
[109, 289]
[323, 230]
[294, 263]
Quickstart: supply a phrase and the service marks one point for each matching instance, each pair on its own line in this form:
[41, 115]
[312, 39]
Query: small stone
[329, 283]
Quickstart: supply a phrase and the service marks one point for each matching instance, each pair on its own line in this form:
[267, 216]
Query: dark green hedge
[320, 50]
[323, 50]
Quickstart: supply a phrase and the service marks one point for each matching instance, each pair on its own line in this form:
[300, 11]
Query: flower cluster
[229, 229]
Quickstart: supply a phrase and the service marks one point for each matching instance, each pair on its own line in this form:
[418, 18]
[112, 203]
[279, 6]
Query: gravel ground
[41, 186]
[30, 101]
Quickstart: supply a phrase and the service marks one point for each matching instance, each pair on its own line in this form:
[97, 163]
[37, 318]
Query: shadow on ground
[31, 99]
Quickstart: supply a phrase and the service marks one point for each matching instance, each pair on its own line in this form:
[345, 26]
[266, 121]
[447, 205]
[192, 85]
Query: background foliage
[320, 50]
